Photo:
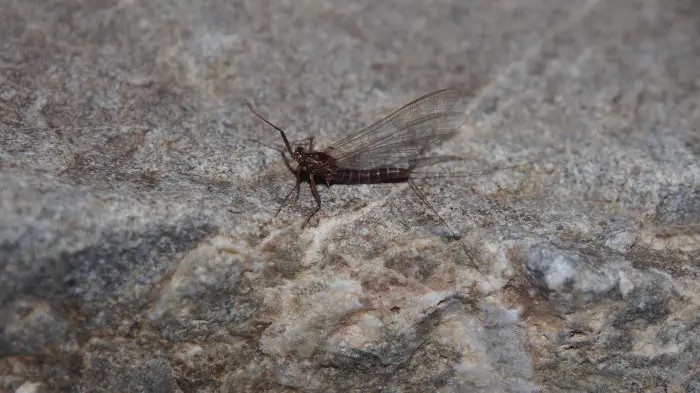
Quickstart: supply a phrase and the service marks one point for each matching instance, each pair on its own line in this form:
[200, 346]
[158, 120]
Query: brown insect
[385, 152]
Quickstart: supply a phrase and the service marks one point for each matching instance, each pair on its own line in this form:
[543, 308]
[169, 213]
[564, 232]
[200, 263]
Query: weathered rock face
[139, 250]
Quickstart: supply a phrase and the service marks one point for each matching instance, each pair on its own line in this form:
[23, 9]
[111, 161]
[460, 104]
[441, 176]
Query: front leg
[314, 191]
[284, 137]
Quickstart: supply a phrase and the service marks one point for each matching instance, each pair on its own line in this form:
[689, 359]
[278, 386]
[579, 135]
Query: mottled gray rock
[140, 251]
[117, 367]
[29, 327]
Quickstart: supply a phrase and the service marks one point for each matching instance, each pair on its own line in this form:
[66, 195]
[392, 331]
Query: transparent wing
[402, 146]
[403, 135]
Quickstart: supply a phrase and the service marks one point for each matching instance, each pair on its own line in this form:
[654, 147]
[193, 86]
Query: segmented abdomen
[371, 176]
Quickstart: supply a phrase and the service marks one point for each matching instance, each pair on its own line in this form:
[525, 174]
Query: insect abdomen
[372, 176]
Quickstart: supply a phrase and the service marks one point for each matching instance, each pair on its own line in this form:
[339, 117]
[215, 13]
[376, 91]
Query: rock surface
[139, 250]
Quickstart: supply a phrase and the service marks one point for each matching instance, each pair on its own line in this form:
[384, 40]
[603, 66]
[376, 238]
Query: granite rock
[140, 251]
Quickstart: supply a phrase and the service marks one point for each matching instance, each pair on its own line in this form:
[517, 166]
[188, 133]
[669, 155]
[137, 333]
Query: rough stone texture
[140, 252]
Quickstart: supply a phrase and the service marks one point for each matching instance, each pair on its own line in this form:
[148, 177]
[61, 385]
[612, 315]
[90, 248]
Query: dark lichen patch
[679, 206]
[112, 163]
[415, 266]
[673, 261]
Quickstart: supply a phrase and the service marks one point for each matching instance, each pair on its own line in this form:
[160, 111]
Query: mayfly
[385, 152]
